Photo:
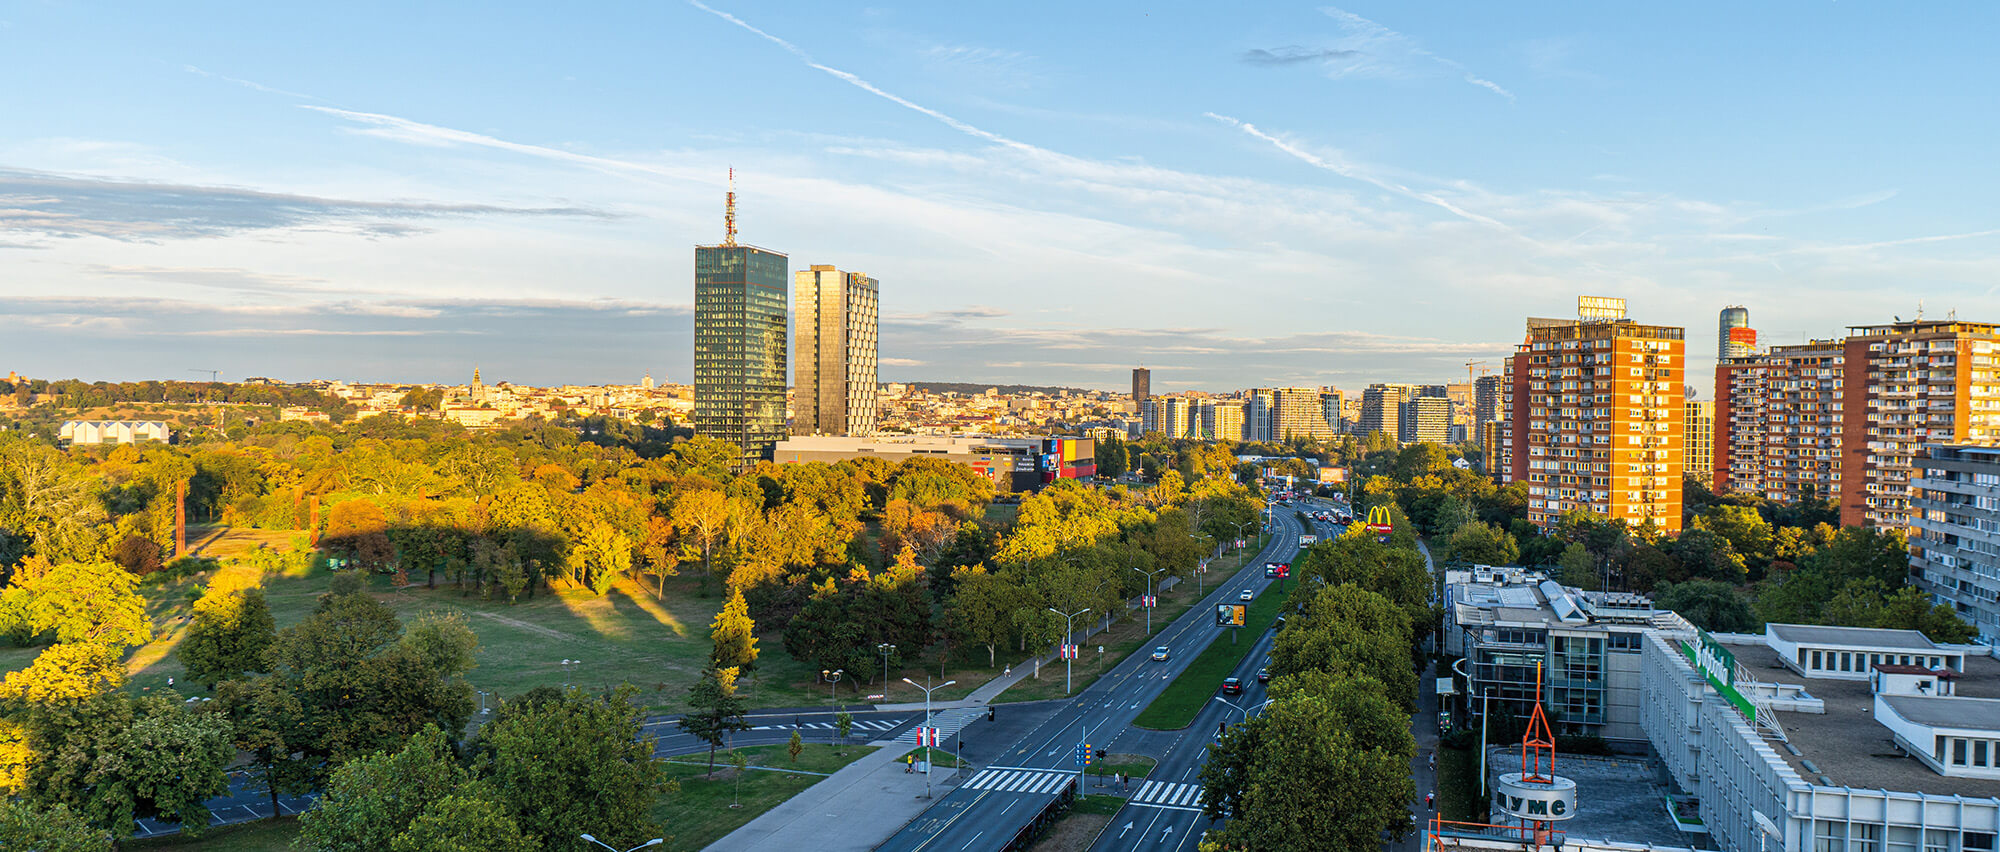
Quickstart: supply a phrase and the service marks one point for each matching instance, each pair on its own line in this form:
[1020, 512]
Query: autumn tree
[77, 602]
[371, 800]
[701, 517]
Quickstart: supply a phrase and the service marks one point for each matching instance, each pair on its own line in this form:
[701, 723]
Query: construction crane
[213, 375]
[1475, 369]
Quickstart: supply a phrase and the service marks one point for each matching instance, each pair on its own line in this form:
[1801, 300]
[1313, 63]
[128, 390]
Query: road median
[1183, 699]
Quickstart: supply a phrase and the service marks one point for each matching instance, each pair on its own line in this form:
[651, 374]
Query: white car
[1160, 653]
[1248, 595]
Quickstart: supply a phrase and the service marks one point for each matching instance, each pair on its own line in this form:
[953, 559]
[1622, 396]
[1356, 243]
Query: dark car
[1278, 624]
[1232, 686]
[1263, 675]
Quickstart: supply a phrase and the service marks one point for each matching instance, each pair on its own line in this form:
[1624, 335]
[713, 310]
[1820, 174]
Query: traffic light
[1100, 755]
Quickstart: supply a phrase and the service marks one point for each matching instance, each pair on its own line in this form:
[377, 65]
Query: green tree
[1347, 630]
[1112, 458]
[228, 636]
[981, 610]
[265, 721]
[1273, 775]
[572, 763]
[1709, 605]
[734, 635]
[843, 724]
[1908, 608]
[171, 761]
[717, 712]
[464, 821]
[52, 829]
[370, 800]
[797, 745]
[1474, 543]
[1576, 568]
[364, 687]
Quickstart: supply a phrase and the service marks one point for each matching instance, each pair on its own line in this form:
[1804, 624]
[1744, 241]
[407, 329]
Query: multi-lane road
[991, 808]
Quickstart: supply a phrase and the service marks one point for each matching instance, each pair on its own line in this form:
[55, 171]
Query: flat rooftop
[1853, 749]
[1617, 798]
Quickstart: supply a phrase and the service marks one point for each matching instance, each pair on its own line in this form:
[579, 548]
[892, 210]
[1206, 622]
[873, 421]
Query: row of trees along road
[1337, 726]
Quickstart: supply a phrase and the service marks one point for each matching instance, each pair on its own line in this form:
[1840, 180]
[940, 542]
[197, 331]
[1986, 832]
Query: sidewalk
[874, 788]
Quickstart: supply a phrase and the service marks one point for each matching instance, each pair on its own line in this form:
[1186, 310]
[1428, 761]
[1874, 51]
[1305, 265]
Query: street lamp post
[833, 683]
[653, 842]
[1149, 594]
[1069, 635]
[928, 689]
[567, 666]
[886, 650]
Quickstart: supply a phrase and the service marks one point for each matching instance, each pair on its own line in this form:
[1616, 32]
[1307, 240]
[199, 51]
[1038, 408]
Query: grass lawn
[700, 812]
[259, 836]
[1102, 805]
[1176, 707]
[1135, 765]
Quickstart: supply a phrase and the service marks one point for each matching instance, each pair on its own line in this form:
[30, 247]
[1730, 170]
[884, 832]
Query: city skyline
[1056, 208]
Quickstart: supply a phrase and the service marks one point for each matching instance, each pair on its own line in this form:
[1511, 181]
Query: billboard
[1230, 615]
[1718, 666]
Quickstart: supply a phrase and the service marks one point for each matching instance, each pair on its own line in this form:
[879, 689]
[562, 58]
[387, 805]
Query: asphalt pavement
[988, 809]
[1163, 813]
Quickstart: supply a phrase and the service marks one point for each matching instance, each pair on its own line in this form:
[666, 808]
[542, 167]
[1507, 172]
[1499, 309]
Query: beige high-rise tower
[835, 362]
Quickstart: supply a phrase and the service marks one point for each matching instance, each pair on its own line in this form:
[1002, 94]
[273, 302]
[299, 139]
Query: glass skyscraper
[740, 316]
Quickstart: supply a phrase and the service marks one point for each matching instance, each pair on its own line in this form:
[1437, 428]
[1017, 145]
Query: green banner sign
[1718, 666]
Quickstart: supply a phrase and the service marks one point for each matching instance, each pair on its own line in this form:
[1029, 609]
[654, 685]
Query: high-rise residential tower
[1596, 417]
[1142, 384]
[1424, 420]
[740, 321]
[1299, 414]
[1382, 409]
[835, 356]
[1734, 338]
[1698, 440]
[1778, 422]
[1486, 410]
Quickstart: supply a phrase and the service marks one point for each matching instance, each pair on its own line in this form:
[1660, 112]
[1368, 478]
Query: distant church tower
[647, 382]
[478, 388]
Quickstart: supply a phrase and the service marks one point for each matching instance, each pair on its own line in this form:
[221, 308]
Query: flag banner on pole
[927, 737]
[1149, 600]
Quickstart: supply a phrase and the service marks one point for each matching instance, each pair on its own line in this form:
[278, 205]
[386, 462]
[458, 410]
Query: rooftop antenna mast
[729, 213]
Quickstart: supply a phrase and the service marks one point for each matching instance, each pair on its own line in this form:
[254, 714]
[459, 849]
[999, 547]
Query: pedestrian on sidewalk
[1430, 800]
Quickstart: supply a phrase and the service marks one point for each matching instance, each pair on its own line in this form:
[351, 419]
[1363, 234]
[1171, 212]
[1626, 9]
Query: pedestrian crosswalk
[860, 725]
[1008, 780]
[1161, 794]
[948, 722]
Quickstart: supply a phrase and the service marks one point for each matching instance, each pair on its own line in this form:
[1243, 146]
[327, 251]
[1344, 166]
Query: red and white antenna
[729, 213]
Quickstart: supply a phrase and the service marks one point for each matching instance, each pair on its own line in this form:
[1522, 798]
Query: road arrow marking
[1121, 832]
[1168, 833]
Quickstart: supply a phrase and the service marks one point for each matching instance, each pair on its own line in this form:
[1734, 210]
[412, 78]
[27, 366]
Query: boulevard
[990, 809]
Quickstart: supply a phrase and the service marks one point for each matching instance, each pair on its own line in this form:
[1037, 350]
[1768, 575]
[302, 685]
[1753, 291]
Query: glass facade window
[741, 315]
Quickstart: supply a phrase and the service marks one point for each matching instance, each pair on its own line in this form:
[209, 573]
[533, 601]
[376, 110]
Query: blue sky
[1048, 192]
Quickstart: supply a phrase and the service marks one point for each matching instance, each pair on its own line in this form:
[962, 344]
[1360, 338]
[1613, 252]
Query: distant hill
[978, 388]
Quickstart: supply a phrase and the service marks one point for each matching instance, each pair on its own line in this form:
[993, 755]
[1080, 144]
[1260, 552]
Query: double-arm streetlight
[1069, 635]
[653, 842]
[833, 683]
[886, 649]
[1149, 594]
[928, 689]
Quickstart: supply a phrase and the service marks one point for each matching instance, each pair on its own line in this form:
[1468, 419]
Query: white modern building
[1848, 761]
[77, 432]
